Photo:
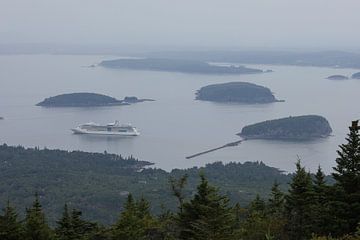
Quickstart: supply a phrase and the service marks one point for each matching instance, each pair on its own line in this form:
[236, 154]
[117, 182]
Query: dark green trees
[135, 222]
[298, 205]
[276, 201]
[347, 176]
[321, 215]
[10, 227]
[72, 227]
[36, 227]
[64, 229]
[207, 215]
[265, 220]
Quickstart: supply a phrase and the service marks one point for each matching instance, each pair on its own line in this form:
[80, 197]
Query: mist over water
[175, 125]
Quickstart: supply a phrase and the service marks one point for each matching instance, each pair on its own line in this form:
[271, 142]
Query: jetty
[231, 144]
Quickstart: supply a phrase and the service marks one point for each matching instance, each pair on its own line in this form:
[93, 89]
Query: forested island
[176, 65]
[356, 75]
[87, 100]
[240, 92]
[337, 77]
[290, 128]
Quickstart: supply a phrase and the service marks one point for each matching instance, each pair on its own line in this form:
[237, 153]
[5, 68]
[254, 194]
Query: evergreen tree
[207, 215]
[321, 215]
[36, 227]
[276, 213]
[80, 228]
[135, 222]
[347, 171]
[347, 176]
[276, 201]
[64, 229]
[299, 205]
[258, 205]
[256, 224]
[177, 187]
[10, 227]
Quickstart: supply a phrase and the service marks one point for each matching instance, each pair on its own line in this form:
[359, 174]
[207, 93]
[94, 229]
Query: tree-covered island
[337, 77]
[241, 92]
[87, 100]
[176, 65]
[290, 128]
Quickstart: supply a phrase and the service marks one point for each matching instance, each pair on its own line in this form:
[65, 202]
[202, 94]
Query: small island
[87, 100]
[356, 75]
[291, 128]
[337, 77]
[240, 92]
[1, 118]
[176, 65]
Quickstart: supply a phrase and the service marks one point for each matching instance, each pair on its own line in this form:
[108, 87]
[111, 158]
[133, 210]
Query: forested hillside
[98, 183]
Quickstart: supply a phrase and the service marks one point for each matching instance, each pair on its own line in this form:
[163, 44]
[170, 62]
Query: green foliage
[10, 226]
[64, 229]
[299, 205]
[321, 212]
[347, 176]
[135, 222]
[265, 220]
[98, 183]
[36, 227]
[177, 187]
[207, 215]
[276, 201]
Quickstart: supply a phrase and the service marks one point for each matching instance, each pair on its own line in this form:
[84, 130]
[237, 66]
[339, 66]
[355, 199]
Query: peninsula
[176, 65]
[87, 100]
[241, 92]
[291, 128]
[337, 77]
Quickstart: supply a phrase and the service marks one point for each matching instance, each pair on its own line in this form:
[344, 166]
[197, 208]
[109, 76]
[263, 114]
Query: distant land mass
[356, 75]
[337, 59]
[176, 65]
[241, 92]
[291, 128]
[337, 77]
[87, 100]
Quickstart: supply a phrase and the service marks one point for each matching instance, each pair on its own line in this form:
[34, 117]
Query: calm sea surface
[175, 125]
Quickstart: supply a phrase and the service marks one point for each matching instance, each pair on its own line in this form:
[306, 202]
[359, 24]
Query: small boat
[114, 128]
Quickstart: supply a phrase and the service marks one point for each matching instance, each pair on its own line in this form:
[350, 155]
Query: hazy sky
[194, 23]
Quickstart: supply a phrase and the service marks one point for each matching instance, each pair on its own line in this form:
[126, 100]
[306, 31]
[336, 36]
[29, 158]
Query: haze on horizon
[187, 24]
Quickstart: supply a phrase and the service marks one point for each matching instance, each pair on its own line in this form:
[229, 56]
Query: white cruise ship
[110, 129]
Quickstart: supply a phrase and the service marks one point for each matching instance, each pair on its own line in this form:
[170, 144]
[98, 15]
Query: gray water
[175, 125]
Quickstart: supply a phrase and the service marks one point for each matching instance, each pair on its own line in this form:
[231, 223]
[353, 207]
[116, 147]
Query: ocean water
[175, 125]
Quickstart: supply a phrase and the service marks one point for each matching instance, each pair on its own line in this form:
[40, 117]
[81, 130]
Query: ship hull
[104, 133]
